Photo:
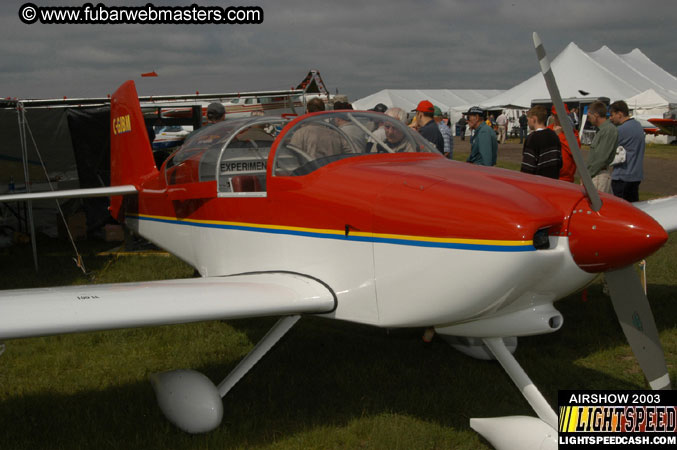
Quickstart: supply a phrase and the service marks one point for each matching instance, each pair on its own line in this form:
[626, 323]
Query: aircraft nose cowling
[616, 236]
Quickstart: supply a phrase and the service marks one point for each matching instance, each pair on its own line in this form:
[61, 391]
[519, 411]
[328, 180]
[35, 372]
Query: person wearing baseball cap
[380, 107]
[427, 127]
[483, 144]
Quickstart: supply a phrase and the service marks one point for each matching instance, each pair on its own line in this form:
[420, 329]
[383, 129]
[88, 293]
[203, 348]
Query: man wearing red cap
[425, 112]
[568, 169]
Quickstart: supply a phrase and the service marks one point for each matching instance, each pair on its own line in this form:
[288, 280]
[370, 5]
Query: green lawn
[327, 385]
[662, 151]
[503, 164]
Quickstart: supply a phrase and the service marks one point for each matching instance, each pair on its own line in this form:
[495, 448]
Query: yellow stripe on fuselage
[401, 237]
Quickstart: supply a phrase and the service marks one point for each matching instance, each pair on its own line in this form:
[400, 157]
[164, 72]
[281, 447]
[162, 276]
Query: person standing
[573, 116]
[502, 122]
[542, 154]
[314, 139]
[524, 123]
[446, 133]
[355, 133]
[627, 175]
[461, 124]
[483, 146]
[216, 113]
[393, 137]
[426, 126]
[603, 147]
[568, 170]
[491, 121]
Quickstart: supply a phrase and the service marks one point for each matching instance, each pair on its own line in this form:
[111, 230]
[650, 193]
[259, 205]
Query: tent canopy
[445, 99]
[648, 99]
[602, 73]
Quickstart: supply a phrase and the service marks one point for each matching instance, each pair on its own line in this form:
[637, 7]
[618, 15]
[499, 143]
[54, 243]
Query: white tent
[602, 73]
[648, 103]
[407, 99]
[450, 101]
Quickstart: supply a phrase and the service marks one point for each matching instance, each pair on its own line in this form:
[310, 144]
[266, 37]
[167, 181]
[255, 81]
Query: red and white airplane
[251, 103]
[244, 106]
[319, 215]
[665, 125]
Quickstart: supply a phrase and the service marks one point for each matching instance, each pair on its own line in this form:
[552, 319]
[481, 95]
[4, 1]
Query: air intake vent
[542, 239]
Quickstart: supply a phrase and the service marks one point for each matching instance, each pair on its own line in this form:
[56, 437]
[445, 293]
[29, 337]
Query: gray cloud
[359, 47]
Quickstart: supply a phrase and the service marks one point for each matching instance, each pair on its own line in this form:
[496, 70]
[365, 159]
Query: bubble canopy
[321, 139]
[236, 153]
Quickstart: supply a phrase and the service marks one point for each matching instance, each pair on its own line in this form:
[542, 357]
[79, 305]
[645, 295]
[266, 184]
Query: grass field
[327, 385]
[662, 151]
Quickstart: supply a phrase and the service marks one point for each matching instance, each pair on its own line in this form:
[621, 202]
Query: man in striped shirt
[542, 152]
[446, 134]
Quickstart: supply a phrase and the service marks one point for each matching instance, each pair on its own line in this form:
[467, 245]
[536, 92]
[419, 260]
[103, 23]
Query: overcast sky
[359, 47]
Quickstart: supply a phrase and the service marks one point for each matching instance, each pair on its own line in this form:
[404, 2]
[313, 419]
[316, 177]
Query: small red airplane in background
[666, 125]
[323, 215]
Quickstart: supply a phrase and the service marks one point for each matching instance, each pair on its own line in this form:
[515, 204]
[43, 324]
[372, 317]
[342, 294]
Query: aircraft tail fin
[131, 155]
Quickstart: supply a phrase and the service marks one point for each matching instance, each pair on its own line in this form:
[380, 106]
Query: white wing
[71, 193]
[68, 309]
[663, 210]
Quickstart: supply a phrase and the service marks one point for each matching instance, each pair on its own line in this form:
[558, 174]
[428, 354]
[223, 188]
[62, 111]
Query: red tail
[131, 156]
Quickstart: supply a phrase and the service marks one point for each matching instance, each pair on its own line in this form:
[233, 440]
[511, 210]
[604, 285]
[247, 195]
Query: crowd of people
[615, 159]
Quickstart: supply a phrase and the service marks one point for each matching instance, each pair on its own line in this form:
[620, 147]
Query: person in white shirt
[502, 122]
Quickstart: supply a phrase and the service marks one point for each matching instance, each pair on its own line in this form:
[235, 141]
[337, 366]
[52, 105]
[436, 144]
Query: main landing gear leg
[191, 401]
[518, 432]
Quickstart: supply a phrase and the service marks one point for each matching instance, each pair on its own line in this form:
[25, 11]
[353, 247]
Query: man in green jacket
[483, 143]
[603, 147]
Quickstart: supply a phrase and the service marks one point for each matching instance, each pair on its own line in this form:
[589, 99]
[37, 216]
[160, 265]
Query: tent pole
[24, 156]
[78, 261]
